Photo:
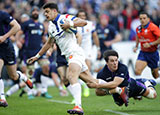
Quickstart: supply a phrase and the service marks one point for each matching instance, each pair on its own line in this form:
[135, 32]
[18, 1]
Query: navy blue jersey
[38, 72]
[106, 34]
[7, 52]
[108, 76]
[136, 88]
[4, 26]
[33, 34]
[60, 59]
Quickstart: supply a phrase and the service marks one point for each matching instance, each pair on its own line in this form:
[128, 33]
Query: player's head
[35, 12]
[111, 58]
[24, 17]
[50, 10]
[82, 14]
[144, 18]
[104, 19]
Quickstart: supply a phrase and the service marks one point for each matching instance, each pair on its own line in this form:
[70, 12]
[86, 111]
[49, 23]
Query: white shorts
[78, 59]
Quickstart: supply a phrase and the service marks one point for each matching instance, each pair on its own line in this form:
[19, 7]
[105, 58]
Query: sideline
[117, 112]
[58, 101]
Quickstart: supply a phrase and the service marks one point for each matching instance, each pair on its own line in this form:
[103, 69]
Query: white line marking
[58, 101]
[117, 112]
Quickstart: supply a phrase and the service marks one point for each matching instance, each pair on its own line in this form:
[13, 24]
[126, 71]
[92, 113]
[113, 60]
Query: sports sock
[76, 89]
[148, 84]
[22, 76]
[138, 76]
[118, 90]
[13, 89]
[70, 89]
[2, 89]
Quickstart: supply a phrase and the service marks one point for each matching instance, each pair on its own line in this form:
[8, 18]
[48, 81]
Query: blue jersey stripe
[73, 18]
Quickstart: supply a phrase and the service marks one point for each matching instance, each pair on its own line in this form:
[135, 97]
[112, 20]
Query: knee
[14, 76]
[155, 75]
[151, 94]
[138, 72]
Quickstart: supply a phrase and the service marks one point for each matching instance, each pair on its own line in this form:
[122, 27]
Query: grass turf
[92, 105]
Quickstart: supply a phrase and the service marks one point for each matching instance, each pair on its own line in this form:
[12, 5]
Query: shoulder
[103, 71]
[138, 29]
[122, 67]
[153, 26]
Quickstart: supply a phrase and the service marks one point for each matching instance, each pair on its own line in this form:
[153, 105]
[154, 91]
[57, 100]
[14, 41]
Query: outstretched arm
[77, 22]
[15, 27]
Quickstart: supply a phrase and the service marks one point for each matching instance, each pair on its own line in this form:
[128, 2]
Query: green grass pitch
[92, 105]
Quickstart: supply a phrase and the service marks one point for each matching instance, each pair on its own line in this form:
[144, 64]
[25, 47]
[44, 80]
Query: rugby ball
[71, 29]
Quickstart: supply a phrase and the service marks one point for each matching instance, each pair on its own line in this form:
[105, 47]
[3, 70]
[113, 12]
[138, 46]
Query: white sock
[2, 90]
[13, 89]
[118, 90]
[138, 76]
[22, 76]
[76, 89]
[70, 89]
[147, 83]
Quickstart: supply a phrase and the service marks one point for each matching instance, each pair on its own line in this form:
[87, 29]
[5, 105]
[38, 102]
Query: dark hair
[143, 12]
[108, 53]
[50, 5]
[81, 10]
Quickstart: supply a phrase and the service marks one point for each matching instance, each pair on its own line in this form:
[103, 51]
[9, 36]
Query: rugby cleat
[3, 103]
[29, 83]
[46, 95]
[124, 95]
[76, 110]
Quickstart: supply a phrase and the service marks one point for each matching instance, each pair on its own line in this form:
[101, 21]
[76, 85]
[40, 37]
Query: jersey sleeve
[113, 30]
[6, 17]
[93, 27]
[50, 31]
[24, 26]
[155, 30]
[122, 71]
[70, 17]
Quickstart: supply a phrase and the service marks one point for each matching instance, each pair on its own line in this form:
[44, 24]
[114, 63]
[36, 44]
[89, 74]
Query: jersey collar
[146, 26]
[55, 20]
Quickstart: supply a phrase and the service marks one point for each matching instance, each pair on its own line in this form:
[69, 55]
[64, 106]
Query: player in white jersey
[61, 30]
[88, 32]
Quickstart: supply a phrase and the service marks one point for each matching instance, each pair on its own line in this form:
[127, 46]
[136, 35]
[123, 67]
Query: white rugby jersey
[86, 32]
[65, 40]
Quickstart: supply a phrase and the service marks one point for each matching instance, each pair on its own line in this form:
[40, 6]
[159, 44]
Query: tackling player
[115, 74]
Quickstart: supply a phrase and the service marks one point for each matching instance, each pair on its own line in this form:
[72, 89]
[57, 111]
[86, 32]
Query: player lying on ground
[115, 74]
